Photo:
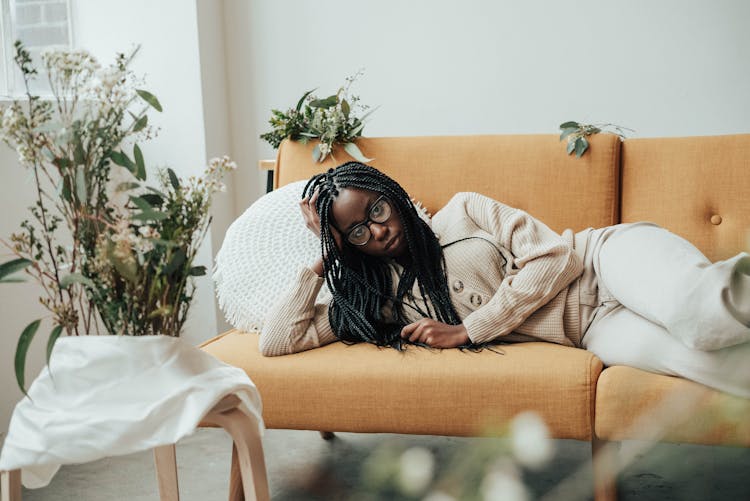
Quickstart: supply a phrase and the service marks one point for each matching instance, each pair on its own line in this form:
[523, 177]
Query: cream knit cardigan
[513, 278]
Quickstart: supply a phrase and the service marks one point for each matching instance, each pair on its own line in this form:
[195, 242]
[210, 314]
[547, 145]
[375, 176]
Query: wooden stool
[248, 462]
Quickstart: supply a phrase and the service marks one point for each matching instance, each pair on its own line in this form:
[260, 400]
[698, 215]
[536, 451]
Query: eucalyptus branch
[576, 134]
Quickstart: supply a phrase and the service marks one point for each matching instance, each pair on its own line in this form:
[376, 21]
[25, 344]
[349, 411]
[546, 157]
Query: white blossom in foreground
[438, 496]
[417, 466]
[503, 483]
[530, 440]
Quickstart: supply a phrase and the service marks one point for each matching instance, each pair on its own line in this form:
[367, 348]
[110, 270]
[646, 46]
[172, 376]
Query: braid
[361, 284]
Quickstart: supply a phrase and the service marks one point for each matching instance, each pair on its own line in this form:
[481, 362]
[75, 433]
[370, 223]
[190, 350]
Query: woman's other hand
[435, 334]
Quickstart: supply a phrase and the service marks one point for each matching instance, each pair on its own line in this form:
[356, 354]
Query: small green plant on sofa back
[332, 120]
[576, 134]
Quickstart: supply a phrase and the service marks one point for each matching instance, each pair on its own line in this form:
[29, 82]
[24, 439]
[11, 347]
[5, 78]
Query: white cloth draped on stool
[112, 395]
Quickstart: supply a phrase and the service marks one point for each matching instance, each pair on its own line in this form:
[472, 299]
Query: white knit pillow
[261, 255]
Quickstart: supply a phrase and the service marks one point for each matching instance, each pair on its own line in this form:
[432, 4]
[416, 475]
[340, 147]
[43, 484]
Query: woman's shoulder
[459, 200]
[463, 195]
[454, 220]
[465, 201]
[453, 205]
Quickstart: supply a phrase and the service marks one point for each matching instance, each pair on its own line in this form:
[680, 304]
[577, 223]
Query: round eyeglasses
[380, 212]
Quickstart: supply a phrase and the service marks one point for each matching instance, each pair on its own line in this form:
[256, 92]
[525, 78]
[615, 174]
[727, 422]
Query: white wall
[245, 77]
[663, 68]
[216, 118]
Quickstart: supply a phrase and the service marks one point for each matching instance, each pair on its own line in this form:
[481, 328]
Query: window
[39, 24]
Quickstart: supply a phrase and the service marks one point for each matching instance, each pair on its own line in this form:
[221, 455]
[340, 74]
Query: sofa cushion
[262, 253]
[634, 404]
[696, 187]
[530, 172]
[362, 388]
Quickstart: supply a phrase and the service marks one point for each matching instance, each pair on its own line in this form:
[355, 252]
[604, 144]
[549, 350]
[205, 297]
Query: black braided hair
[361, 284]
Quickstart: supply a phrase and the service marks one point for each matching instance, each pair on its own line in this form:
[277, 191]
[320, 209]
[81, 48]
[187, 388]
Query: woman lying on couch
[633, 294]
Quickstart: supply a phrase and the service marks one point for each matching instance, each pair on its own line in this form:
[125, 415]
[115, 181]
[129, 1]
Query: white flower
[438, 496]
[218, 166]
[25, 154]
[69, 61]
[144, 246]
[148, 232]
[110, 76]
[530, 440]
[10, 118]
[325, 149]
[111, 88]
[503, 485]
[417, 465]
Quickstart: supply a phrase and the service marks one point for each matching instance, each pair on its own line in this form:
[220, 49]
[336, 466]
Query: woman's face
[356, 211]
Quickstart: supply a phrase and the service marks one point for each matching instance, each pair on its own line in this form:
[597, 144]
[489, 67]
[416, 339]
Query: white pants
[663, 307]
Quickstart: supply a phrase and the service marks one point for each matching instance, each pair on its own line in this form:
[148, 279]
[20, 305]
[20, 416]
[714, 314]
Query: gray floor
[302, 466]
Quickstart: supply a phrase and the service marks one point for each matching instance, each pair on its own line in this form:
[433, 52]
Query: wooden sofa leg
[11, 485]
[604, 461]
[327, 435]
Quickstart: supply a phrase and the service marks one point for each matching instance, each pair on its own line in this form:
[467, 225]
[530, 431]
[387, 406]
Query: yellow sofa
[696, 187]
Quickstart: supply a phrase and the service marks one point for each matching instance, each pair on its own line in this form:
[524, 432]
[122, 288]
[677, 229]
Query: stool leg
[327, 435]
[236, 491]
[166, 472]
[604, 457]
[11, 485]
[244, 431]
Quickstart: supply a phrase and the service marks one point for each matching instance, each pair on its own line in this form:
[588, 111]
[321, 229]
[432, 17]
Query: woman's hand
[310, 213]
[312, 220]
[436, 334]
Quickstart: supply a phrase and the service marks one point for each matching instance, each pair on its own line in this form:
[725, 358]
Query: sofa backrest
[697, 187]
[531, 172]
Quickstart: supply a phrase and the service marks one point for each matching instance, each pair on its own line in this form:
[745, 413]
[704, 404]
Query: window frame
[9, 74]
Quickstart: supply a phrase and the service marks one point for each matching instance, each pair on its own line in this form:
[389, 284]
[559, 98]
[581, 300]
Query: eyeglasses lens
[379, 213]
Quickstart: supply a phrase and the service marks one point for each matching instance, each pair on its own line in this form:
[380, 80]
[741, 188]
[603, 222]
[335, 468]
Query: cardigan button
[716, 219]
[476, 300]
[458, 286]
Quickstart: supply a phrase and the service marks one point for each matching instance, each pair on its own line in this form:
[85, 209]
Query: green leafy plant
[111, 254]
[140, 274]
[332, 120]
[576, 134]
